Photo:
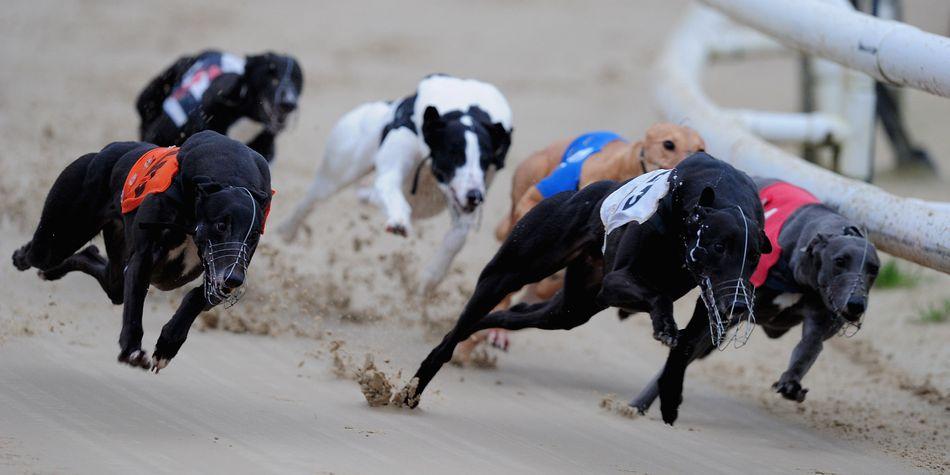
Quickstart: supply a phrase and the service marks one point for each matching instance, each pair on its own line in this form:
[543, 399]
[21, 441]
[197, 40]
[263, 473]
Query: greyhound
[818, 276]
[212, 90]
[166, 214]
[638, 245]
[461, 126]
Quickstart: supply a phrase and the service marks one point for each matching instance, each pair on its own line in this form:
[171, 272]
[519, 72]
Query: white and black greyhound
[461, 126]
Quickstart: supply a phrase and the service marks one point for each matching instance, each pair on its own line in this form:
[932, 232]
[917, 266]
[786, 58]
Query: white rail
[888, 50]
[910, 228]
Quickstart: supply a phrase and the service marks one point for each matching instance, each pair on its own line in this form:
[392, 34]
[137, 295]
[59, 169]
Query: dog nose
[856, 307]
[286, 107]
[474, 198]
[234, 280]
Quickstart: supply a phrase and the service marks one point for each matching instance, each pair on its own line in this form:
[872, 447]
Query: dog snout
[234, 280]
[740, 307]
[286, 106]
[856, 307]
[473, 198]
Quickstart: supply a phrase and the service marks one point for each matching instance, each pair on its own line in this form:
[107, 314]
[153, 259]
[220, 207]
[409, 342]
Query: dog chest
[428, 200]
[181, 264]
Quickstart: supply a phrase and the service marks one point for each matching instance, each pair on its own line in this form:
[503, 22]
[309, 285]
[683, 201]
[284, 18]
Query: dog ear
[707, 197]
[205, 186]
[432, 125]
[697, 215]
[501, 140]
[853, 231]
[816, 244]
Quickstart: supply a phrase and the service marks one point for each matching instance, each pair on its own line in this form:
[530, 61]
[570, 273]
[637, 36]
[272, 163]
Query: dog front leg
[175, 331]
[664, 326]
[620, 290]
[816, 327]
[394, 162]
[137, 276]
[692, 343]
[452, 243]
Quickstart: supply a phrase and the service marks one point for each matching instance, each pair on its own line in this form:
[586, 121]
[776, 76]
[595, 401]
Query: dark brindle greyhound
[818, 276]
[666, 231]
[164, 218]
[212, 90]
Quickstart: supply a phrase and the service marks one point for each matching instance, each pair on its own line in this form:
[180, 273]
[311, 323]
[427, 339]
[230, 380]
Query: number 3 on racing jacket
[213, 90]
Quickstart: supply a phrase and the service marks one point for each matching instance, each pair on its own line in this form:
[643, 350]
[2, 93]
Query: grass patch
[935, 313]
[893, 276]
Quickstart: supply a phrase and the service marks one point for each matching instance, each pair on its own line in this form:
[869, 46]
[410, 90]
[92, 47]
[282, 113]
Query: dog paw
[669, 411]
[790, 389]
[398, 227]
[20, 260]
[135, 358]
[498, 337]
[641, 406]
[158, 364]
[666, 336]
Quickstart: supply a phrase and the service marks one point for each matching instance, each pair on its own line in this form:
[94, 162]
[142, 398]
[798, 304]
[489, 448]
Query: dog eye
[841, 261]
[873, 269]
[669, 145]
[221, 227]
[719, 247]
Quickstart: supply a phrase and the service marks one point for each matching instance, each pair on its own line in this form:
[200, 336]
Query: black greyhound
[212, 90]
[208, 218]
[819, 279]
[703, 226]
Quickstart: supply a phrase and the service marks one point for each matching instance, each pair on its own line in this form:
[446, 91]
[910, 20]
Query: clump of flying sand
[612, 403]
[377, 388]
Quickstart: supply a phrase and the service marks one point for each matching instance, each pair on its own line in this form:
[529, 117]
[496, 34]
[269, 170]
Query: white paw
[158, 364]
[398, 226]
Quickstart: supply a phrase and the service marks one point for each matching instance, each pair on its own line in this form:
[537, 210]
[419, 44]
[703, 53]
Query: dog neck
[630, 162]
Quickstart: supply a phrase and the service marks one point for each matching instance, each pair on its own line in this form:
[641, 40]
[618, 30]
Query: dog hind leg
[571, 307]
[69, 220]
[348, 157]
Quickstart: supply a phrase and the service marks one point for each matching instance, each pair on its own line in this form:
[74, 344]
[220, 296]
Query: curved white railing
[913, 229]
[891, 51]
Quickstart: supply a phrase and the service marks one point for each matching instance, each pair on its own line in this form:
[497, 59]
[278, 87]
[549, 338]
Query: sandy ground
[278, 392]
